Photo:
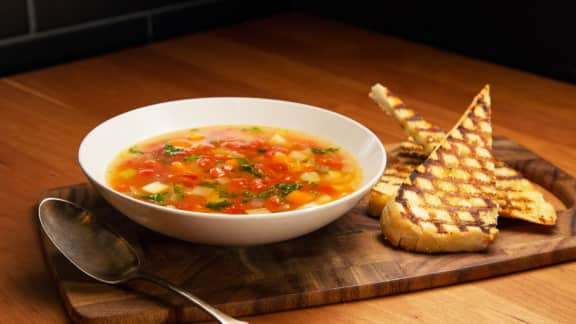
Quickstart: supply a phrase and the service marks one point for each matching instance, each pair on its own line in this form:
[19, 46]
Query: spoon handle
[217, 314]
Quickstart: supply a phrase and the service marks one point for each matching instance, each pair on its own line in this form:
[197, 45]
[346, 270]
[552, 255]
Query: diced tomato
[331, 163]
[122, 187]
[273, 203]
[189, 180]
[217, 172]
[205, 162]
[190, 202]
[150, 163]
[280, 167]
[276, 149]
[327, 189]
[233, 145]
[235, 209]
[146, 172]
[257, 185]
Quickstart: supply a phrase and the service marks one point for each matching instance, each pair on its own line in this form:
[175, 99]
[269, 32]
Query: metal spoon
[100, 252]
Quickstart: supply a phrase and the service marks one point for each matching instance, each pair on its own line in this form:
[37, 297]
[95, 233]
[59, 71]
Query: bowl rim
[203, 215]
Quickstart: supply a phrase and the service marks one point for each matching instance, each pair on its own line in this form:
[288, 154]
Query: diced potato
[311, 177]
[308, 205]
[278, 140]
[155, 187]
[298, 155]
[332, 175]
[201, 191]
[257, 211]
[322, 199]
[128, 173]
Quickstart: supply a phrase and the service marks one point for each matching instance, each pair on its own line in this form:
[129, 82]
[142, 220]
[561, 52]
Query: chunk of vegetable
[311, 177]
[257, 211]
[299, 197]
[278, 140]
[201, 191]
[155, 187]
[128, 173]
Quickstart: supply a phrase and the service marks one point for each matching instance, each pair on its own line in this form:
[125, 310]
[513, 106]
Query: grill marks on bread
[414, 125]
[516, 196]
[446, 204]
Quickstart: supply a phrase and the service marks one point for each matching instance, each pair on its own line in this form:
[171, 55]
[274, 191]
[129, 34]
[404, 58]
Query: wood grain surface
[44, 115]
[347, 260]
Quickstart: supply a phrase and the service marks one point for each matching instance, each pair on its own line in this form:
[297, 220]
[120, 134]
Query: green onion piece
[171, 150]
[218, 205]
[316, 150]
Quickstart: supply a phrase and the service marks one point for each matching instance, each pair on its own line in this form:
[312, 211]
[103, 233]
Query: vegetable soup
[235, 170]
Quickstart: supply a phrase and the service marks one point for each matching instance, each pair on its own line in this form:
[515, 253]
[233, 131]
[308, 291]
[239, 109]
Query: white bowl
[105, 141]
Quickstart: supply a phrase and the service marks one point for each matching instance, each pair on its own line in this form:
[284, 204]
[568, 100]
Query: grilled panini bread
[448, 203]
[517, 197]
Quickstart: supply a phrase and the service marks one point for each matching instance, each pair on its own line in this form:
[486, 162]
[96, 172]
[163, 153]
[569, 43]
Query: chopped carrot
[232, 162]
[180, 143]
[195, 137]
[178, 167]
[299, 197]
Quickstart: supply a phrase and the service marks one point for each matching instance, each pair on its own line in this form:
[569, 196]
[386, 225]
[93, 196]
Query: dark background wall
[539, 38]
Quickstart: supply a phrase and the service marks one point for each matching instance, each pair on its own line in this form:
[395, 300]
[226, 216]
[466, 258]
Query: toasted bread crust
[410, 236]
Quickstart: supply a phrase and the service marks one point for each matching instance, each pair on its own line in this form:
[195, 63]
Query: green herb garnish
[253, 129]
[157, 197]
[286, 188]
[261, 150]
[208, 184]
[179, 191]
[247, 166]
[192, 158]
[316, 150]
[135, 150]
[218, 205]
[171, 150]
[226, 194]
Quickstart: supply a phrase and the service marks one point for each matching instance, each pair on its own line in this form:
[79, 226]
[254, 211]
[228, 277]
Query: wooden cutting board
[346, 260]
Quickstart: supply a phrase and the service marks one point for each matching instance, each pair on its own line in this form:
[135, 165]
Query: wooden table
[44, 115]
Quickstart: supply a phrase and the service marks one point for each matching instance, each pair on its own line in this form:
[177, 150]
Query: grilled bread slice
[399, 168]
[517, 197]
[448, 203]
[413, 124]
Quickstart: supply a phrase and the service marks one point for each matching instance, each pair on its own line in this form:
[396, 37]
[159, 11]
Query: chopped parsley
[171, 150]
[286, 188]
[251, 129]
[157, 197]
[218, 205]
[179, 191]
[135, 150]
[191, 158]
[280, 189]
[226, 194]
[247, 166]
[209, 184]
[316, 150]
[261, 150]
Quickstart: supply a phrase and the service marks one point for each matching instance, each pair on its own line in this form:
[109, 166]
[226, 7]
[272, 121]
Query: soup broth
[235, 170]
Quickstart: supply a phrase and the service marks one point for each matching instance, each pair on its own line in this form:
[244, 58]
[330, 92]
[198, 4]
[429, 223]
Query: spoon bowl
[100, 252]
